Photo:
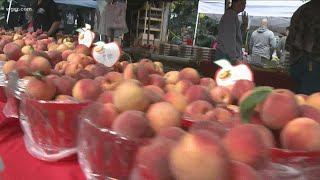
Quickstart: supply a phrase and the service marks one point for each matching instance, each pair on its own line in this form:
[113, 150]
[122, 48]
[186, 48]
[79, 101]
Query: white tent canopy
[84, 3]
[254, 7]
[278, 12]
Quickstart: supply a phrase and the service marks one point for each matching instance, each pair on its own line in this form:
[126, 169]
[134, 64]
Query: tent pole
[9, 11]
[196, 30]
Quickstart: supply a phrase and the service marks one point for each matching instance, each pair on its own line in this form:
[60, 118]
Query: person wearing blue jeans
[303, 43]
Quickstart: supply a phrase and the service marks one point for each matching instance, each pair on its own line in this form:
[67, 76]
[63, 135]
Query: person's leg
[311, 82]
[297, 73]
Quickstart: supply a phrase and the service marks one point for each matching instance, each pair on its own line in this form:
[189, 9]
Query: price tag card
[107, 54]
[228, 75]
[86, 36]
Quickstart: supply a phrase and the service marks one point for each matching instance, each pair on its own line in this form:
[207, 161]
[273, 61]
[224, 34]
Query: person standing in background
[46, 17]
[80, 20]
[230, 32]
[262, 44]
[282, 53]
[303, 43]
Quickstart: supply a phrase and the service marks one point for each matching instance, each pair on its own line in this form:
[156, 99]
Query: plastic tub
[104, 154]
[50, 128]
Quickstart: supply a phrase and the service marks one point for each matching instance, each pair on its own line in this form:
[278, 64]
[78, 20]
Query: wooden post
[149, 23]
[165, 20]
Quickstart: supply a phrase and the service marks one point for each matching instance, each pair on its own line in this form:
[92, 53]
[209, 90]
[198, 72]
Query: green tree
[185, 13]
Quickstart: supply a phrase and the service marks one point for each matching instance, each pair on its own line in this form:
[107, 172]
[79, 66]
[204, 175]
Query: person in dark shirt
[303, 43]
[80, 20]
[46, 16]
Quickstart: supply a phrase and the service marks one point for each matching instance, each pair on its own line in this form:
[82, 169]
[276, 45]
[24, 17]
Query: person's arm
[53, 17]
[273, 44]
[294, 25]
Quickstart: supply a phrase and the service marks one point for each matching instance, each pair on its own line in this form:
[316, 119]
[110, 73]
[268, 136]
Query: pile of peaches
[140, 100]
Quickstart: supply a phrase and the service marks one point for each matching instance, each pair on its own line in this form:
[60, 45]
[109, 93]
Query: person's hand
[245, 19]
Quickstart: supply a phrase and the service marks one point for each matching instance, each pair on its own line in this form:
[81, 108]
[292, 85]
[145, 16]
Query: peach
[152, 96]
[241, 87]
[40, 89]
[177, 100]
[36, 53]
[301, 134]
[86, 90]
[30, 42]
[171, 77]
[27, 50]
[207, 158]
[54, 57]
[106, 97]
[130, 96]
[266, 135]
[8, 67]
[61, 66]
[84, 74]
[211, 126]
[221, 115]
[25, 58]
[197, 110]
[209, 83]
[22, 68]
[13, 51]
[82, 49]
[277, 118]
[78, 59]
[102, 115]
[155, 89]
[20, 42]
[132, 124]
[97, 69]
[64, 98]
[65, 54]
[153, 160]
[159, 64]
[197, 92]
[52, 76]
[245, 144]
[62, 47]
[124, 64]
[310, 112]
[172, 133]
[169, 88]
[111, 80]
[64, 85]
[162, 115]
[72, 69]
[189, 74]
[157, 80]
[40, 47]
[148, 65]
[138, 72]
[40, 64]
[301, 98]
[241, 171]
[221, 95]
[52, 47]
[182, 86]
[314, 100]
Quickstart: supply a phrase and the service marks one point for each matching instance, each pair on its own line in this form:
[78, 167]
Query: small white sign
[86, 36]
[228, 75]
[107, 54]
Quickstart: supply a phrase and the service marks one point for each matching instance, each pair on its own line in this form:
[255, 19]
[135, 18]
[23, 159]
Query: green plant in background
[185, 13]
